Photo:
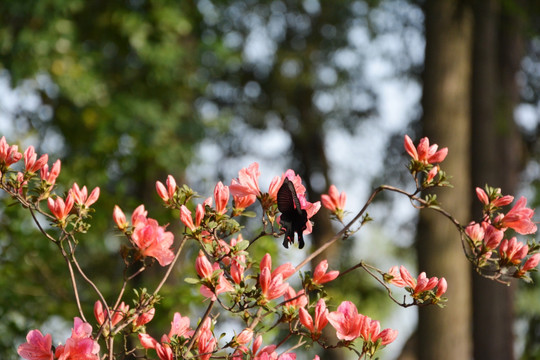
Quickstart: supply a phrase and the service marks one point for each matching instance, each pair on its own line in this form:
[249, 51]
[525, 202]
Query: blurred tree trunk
[446, 333]
[495, 159]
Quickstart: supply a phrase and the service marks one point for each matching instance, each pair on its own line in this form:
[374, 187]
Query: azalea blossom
[59, 208]
[36, 347]
[205, 270]
[206, 342]
[166, 193]
[402, 278]
[116, 315]
[150, 238]
[519, 218]
[144, 318]
[179, 328]
[295, 300]
[513, 251]
[31, 163]
[275, 184]
[8, 154]
[244, 337]
[119, 218]
[247, 183]
[271, 287]
[315, 326]
[347, 321]
[186, 218]
[81, 197]
[371, 333]
[334, 201]
[425, 153]
[80, 345]
[498, 201]
[50, 176]
[320, 276]
[221, 196]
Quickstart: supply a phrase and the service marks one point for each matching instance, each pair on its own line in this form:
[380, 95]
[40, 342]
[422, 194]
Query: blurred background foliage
[127, 92]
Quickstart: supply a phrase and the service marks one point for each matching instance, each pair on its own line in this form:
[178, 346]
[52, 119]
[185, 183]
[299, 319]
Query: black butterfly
[293, 218]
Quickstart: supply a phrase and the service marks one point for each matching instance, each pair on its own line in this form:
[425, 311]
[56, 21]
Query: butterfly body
[293, 218]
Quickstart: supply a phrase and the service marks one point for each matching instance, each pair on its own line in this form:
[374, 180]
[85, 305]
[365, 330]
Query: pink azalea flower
[287, 356]
[36, 347]
[320, 276]
[492, 237]
[186, 218]
[180, 326]
[242, 202]
[300, 302]
[31, 163]
[80, 345]
[163, 350]
[475, 232]
[205, 270]
[206, 344]
[275, 184]
[50, 176]
[247, 182]
[442, 286]
[144, 318]
[119, 218]
[152, 239]
[519, 218]
[404, 279]
[59, 208]
[513, 251]
[166, 193]
[8, 154]
[199, 215]
[203, 266]
[316, 326]
[245, 336]
[334, 201]
[371, 332]
[272, 287]
[497, 202]
[424, 152]
[347, 321]
[432, 173]
[81, 195]
[139, 216]
[221, 196]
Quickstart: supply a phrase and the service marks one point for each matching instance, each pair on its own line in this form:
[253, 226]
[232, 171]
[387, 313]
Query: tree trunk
[446, 333]
[495, 160]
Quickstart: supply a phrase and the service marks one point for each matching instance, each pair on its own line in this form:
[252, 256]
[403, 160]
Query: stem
[198, 330]
[169, 270]
[73, 281]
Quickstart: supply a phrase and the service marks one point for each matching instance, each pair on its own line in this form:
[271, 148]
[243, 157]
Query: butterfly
[293, 217]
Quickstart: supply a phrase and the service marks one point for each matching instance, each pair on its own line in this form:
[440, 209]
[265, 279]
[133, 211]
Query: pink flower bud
[203, 266]
[221, 196]
[245, 336]
[442, 286]
[119, 218]
[145, 317]
[185, 217]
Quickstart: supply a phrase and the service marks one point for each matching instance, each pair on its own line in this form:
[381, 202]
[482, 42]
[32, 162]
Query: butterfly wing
[285, 196]
[293, 218]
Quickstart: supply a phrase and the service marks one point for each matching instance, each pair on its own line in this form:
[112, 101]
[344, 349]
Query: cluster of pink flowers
[79, 346]
[225, 267]
[149, 238]
[487, 237]
[421, 288]
[425, 157]
[350, 325]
